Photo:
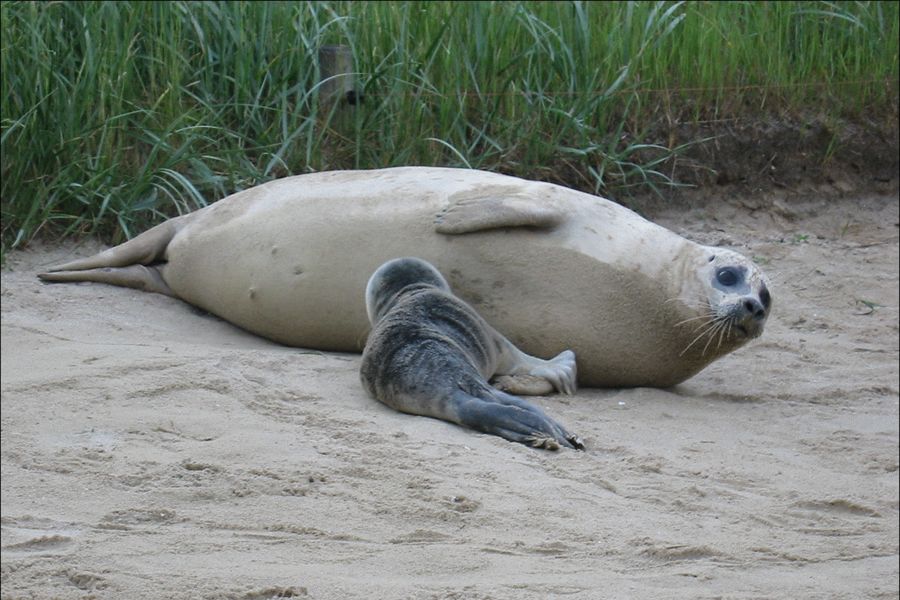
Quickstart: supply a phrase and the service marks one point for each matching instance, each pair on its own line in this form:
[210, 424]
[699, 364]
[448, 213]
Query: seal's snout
[749, 316]
[754, 309]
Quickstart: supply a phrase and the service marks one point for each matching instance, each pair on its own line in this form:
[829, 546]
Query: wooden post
[336, 73]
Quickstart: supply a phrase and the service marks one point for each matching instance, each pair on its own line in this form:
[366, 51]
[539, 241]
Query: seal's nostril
[754, 309]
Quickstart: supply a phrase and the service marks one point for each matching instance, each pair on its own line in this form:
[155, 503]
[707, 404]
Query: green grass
[118, 114]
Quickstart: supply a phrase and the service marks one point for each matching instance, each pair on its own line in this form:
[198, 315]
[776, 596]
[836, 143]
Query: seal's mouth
[747, 316]
[747, 329]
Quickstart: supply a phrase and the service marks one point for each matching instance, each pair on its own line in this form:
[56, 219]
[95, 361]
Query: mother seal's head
[731, 295]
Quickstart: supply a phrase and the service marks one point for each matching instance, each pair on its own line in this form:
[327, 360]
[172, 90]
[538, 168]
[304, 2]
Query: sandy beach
[150, 450]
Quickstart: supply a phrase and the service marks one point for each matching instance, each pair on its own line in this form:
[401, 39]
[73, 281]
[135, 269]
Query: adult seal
[550, 267]
[431, 354]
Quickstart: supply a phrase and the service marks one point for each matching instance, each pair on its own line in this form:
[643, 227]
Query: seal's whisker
[727, 324]
[717, 326]
[709, 318]
[710, 323]
[711, 326]
[675, 299]
[698, 304]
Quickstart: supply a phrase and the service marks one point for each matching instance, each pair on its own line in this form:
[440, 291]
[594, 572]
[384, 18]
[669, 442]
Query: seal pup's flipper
[494, 208]
[123, 265]
[512, 418]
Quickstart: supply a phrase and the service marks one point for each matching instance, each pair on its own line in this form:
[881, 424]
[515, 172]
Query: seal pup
[429, 353]
[550, 267]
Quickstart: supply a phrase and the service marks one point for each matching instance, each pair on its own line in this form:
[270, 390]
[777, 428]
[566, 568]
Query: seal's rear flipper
[123, 265]
[139, 277]
[494, 208]
[147, 248]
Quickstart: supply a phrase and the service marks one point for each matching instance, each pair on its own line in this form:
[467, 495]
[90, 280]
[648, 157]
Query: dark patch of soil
[788, 156]
[792, 153]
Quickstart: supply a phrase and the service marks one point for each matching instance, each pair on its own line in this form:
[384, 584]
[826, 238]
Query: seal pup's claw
[576, 441]
[542, 441]
[545, 442]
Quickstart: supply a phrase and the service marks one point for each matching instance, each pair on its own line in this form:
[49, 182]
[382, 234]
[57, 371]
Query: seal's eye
[728, 276]
[711, 258]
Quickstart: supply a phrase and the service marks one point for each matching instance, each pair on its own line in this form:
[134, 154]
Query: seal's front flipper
[520, 373]
[560, 371]
[495, 207]
[139, 277]
[525, 385]
[517, 421]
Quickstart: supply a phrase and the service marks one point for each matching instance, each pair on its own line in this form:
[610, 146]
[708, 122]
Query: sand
[153, 451]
